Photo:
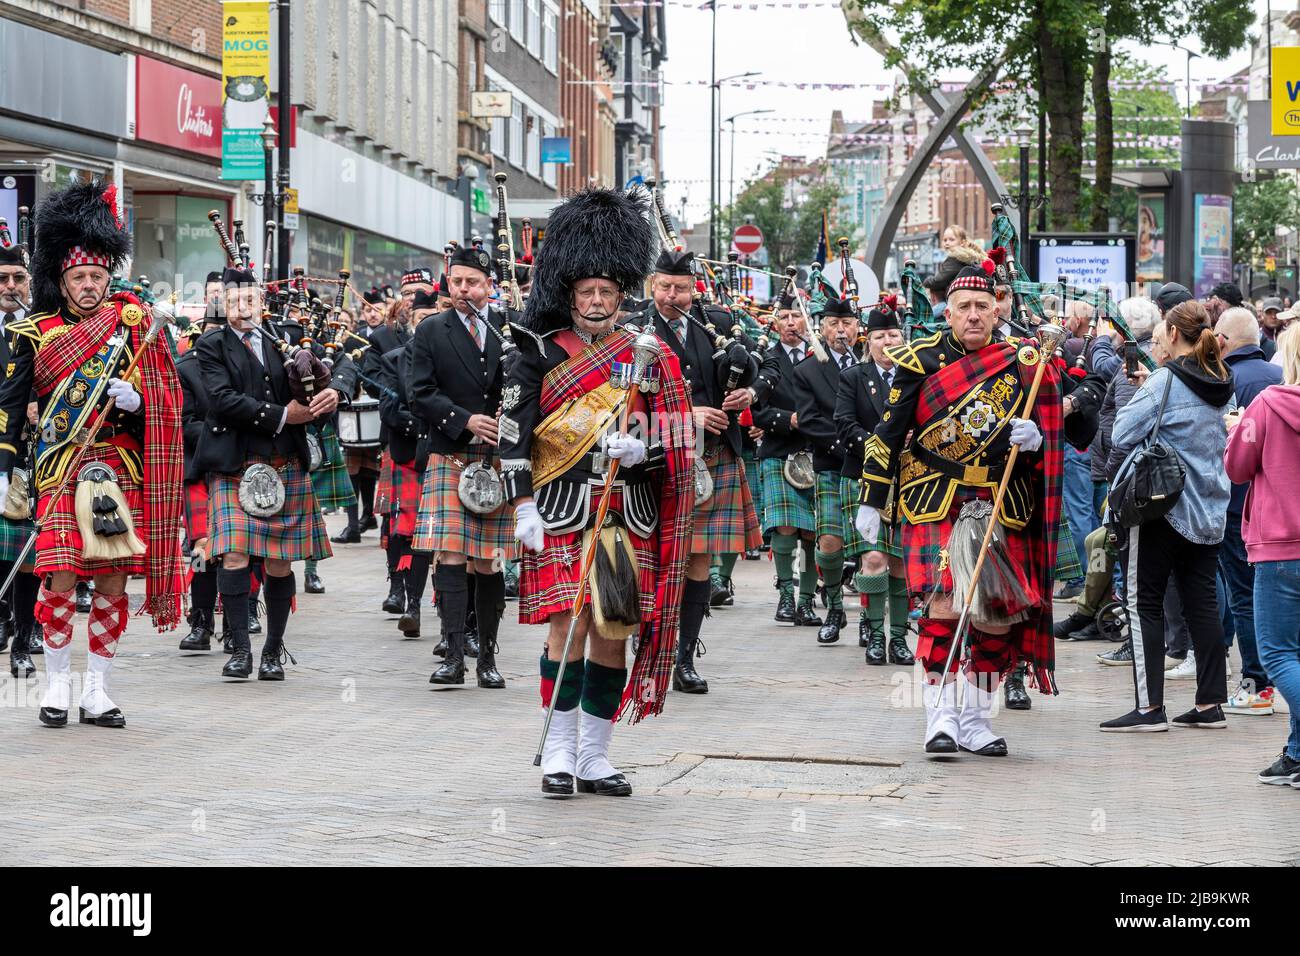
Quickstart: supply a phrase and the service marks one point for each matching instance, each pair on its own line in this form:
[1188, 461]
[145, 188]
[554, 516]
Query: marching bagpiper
[455, 389]
[124, 516]
[962, 395]
[720, 383]
[786, 473]
[866, 392]
[816, 384]
[588, 401]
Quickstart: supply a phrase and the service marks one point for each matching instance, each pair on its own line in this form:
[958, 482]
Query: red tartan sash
[588, 367]
[163, 454]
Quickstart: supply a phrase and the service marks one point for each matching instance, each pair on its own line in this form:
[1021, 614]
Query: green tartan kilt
[1067, 558]
[330, 481]
[784, 505]
[837, 505]
[750, 458]
[13, 535]
[887, 542]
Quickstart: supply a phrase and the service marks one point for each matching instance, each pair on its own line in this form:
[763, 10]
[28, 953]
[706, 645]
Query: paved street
[798, 755]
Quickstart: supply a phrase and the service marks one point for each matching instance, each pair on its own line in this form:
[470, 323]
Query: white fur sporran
[261, 491]
[798, 470]
[480, 488]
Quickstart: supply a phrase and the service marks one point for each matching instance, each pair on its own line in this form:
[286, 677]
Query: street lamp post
[268, 198]
[731, 177]
[1024, 200]
[1190, 55]
[715, 128]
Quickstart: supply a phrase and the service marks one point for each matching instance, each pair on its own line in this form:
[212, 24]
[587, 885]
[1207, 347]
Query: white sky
[793, 45]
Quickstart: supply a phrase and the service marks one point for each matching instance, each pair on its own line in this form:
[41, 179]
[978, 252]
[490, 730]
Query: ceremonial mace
[158, 323]
[645, 353]
[1050, 338]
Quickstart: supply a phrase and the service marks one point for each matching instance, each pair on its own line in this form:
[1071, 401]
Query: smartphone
[1130, 359]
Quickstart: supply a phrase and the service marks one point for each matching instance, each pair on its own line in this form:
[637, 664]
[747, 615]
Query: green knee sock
[831, 565]
[727, 564]
[807, 574]
[602, 690]
[900, 605]
[872, 588]
[783, 556]
[570, 691]
[311, 567]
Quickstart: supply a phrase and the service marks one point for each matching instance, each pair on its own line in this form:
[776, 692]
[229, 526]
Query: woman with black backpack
[1175, 522]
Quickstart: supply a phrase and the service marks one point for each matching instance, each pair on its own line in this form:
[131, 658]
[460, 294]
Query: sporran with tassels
[615, 593]
[103, 517]
[1004, 594]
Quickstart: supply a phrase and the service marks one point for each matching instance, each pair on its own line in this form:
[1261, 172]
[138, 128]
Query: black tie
[845, 359]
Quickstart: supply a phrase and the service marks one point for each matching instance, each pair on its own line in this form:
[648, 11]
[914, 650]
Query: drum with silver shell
[359, 424]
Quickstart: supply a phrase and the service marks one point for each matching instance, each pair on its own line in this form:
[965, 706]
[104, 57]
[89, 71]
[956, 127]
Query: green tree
[1257, 209]
[789, 231]
[1050, 48]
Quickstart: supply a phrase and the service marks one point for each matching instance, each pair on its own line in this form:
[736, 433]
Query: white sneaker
[1186, 669]
[1227, 658]
[1171, 663]
[1247, 704]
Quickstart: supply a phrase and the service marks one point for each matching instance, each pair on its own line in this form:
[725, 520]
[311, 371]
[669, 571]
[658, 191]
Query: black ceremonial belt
[967, 474]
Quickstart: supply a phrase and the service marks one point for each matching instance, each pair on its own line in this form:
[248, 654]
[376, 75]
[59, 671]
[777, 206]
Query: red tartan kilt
[923, 542]
[403, 503]
[196, 510]
[384, 486]
[58, 546]
[548, 579]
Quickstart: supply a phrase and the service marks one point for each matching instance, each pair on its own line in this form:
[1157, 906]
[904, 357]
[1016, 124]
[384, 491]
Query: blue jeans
[1277, 633]
[1239, 579]
[1081, 499]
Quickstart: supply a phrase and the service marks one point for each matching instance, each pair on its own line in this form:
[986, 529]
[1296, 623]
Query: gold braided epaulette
[908, 355]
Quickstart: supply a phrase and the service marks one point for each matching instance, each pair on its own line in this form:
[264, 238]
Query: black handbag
[1155, 480]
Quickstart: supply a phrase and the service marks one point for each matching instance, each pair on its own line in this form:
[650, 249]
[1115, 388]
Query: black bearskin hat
[84, 215]
[598, 232]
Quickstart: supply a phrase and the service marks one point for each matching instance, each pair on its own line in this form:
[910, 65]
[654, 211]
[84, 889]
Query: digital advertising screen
[1087, 261]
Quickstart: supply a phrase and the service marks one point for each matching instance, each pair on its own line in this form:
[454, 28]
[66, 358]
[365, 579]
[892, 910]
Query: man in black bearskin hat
[122, 516]
[562, 430]
[455, 374]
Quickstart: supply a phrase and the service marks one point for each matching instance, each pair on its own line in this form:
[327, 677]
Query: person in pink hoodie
[1264, 449]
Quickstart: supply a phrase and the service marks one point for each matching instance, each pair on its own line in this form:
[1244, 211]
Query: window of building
[497, 141]
[550, 47]
[517, 21]
[517, 135]
[549, 169]
[497, 11]
[535, 28]
[533, 143]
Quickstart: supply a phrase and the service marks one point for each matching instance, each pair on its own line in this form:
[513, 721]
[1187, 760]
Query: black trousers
[1158, 554]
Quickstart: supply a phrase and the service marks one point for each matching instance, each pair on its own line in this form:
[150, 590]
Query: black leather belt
[965, 473]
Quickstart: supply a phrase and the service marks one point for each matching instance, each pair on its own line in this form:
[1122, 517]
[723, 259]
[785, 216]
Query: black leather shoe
[899, 652]
[409, 622]
[1075, 622]
[83, 597]
[347, 536]
[239, 665]
[368, 522]
[615, 786]
[875, 643]
[1091, 632]
[785, 608]
[686, 680]
[6, 629]
[557, 784]
[452, 670]
[109, 718]
[720, 595]
[270, 667]
[805, 616]
[994, 748]
[941, 744]
[200, 636]
[395, 603]
[227, 643]
[1014, 693]
[312, 583]
[20, 661]
[471, 643]
[36, 641]
[254, 622]
[440, 649]
[53, 718]
[829, 633]
[486, 667]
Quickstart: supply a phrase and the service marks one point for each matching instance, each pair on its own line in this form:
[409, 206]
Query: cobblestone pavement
[799, 754]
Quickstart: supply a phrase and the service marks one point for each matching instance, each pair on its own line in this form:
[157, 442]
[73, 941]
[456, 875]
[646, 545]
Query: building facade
[639, 30]
[589, 61]
[857, 159]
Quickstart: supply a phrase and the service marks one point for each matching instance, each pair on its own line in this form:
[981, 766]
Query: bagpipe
[307, 372]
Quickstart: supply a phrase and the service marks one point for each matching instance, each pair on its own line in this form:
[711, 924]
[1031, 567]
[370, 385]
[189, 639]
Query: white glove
[1026, 434]
[124, 395]
[528, 526]
[628, 450]
[867, 521]
[4, 487]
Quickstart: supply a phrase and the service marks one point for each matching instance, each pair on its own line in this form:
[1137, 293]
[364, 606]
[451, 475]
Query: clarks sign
[177, 107]
[1266, 150]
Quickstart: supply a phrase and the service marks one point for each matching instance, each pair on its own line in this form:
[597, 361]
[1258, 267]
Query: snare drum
[359, 424]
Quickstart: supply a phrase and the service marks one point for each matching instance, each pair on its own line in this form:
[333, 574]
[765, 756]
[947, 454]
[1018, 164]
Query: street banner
[246, 86]
[1286, 91]
[1212, 233]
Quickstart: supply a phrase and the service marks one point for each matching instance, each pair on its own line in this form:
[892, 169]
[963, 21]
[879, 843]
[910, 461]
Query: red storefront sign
[177, 107]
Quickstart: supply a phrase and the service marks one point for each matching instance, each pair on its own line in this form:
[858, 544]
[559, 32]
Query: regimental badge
[1027, 355]
[483, 259]
[61, 421]
[132, 314]
[894, 395]
[977, 420]
[509, 397]
[9, 370]
[77, 393]
[93, 367]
